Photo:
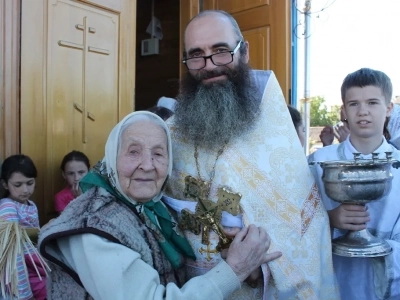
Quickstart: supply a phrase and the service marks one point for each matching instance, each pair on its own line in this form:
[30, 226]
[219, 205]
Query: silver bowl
[358, 181]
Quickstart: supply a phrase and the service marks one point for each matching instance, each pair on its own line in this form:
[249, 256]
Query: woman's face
[142, 162]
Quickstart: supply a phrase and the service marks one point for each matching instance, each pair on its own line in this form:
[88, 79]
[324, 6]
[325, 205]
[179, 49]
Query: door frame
[10, 19]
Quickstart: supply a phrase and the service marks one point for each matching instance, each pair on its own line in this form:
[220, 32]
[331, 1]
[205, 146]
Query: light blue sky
[346, 36]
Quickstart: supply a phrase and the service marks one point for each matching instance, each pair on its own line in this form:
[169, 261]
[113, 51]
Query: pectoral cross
[208, 214]
[86, 49]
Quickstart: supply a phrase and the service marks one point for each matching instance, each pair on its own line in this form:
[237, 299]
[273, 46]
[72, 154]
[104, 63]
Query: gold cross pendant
[208, 251]
[208, 214]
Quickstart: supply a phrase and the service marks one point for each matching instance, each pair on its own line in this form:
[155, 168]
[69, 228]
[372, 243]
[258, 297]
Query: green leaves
[320, 115]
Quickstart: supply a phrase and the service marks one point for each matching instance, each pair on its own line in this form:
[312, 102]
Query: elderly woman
[118, 241]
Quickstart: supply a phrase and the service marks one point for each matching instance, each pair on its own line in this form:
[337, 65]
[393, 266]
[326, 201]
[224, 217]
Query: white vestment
[367, 278]
[267, 166]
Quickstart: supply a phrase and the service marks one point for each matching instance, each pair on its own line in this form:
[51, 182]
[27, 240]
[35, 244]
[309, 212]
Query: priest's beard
[210, 115]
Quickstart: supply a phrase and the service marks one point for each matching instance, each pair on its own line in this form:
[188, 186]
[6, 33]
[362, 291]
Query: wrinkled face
[208, 35]
[20, 187]
[142, 162]
[366, 110]
[74, 171]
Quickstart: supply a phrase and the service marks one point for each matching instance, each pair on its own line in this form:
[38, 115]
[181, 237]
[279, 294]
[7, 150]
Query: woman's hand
[349, 217]
[249, 250]
[253, 278]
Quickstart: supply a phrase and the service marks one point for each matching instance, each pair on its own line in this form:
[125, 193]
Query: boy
[366, 96]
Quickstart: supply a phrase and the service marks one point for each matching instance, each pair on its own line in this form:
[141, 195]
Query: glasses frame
[232, 52]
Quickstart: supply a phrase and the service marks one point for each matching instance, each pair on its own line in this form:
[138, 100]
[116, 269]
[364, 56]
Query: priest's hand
[349, 217]
[249, 250]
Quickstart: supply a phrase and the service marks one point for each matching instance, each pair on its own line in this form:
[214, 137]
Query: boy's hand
[349, 217]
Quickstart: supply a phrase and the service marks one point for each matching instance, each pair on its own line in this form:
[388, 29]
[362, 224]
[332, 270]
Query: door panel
[83, 100]
[64, 82]
[115, 5]
[101, 81]
[187, 10]
[259, 39]
[10, 13]
[234, 6]
[71, 88]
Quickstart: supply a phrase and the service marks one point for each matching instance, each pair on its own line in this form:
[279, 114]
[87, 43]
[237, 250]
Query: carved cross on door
[85, 48]
[88, 115]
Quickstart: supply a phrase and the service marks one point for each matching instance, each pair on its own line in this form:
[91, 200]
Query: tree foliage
[320, 115]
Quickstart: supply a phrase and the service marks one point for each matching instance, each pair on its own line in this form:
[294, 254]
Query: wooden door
[265, 24]
[79, 76]
[83, 100]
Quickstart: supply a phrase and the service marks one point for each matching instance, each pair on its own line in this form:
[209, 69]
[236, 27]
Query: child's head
[298, 123]
[366, 96]
[161, 111]
[74, 167]
[18, 174]
[368, 77]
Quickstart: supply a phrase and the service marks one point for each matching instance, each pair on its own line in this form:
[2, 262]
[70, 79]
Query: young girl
[74, 167]
[22, 273]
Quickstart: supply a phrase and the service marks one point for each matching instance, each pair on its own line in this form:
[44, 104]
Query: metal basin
[357, 182]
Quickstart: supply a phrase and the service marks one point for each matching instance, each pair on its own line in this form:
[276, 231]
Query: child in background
[340, 131]
[74, 167]
[161, 111]
[298, 124]
[18, 174]
[366, 96]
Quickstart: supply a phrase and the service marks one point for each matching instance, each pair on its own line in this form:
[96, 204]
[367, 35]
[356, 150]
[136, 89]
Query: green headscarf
[156, 216]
